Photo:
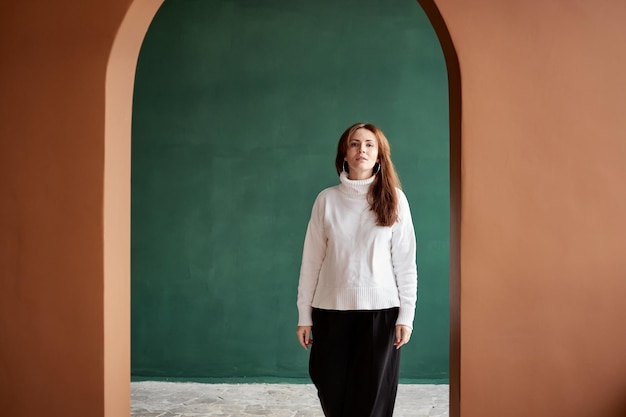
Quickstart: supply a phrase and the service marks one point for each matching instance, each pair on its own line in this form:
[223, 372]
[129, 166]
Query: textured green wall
[237, 111]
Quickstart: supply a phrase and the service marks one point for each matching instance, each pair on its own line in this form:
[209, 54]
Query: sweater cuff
[405, 317]
[304, 316]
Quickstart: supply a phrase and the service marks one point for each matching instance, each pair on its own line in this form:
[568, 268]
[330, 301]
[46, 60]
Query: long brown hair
[382, 195]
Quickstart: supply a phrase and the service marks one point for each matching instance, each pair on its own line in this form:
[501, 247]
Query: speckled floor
[177, 399]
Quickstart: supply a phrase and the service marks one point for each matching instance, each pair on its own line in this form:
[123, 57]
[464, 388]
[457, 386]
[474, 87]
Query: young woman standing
[358, 280]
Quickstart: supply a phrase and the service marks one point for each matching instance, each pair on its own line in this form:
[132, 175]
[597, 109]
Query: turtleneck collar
[354, 187]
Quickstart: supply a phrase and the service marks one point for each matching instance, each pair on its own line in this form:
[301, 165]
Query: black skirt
[354, 364]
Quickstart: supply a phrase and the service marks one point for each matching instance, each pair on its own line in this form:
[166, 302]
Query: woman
[358, 280]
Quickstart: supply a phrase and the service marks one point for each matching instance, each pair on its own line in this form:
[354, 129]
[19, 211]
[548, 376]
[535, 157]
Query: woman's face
[362, 154]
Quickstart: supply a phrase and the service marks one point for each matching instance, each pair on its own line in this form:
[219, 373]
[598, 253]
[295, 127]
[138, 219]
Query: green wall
[238, 107]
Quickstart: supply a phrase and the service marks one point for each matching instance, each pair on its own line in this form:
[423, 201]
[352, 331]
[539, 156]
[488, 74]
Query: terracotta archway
[454, 97]
[542, 222]
[120, 78]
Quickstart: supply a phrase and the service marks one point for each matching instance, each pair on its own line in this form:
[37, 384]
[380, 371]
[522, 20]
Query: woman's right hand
[304, 336]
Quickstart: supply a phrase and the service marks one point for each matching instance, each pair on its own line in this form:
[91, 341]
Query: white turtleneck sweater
[350, 263]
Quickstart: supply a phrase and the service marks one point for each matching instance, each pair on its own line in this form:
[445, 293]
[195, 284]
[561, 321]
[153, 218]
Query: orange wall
[542, 224]
[120, 78]
[53, 61]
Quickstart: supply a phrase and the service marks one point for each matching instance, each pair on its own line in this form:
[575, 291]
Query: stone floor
[177, 399]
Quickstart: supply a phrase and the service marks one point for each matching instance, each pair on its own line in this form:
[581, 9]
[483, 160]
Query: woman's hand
[304, 336]
[403, 334]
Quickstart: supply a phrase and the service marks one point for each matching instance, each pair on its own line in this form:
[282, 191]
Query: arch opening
[119, 92]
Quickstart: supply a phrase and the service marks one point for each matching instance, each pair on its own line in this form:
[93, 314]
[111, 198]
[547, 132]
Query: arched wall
[541, 221]
[53, 66]
[542, 218]
[454, 86]
[120, 79]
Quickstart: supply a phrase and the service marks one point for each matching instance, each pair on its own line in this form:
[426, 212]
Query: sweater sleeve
[403, 253]
[313, 255]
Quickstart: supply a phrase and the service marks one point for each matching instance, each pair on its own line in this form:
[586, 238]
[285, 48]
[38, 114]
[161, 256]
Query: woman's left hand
[403, 334]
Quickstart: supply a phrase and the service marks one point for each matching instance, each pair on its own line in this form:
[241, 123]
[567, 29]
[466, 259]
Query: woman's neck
[355, 175]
